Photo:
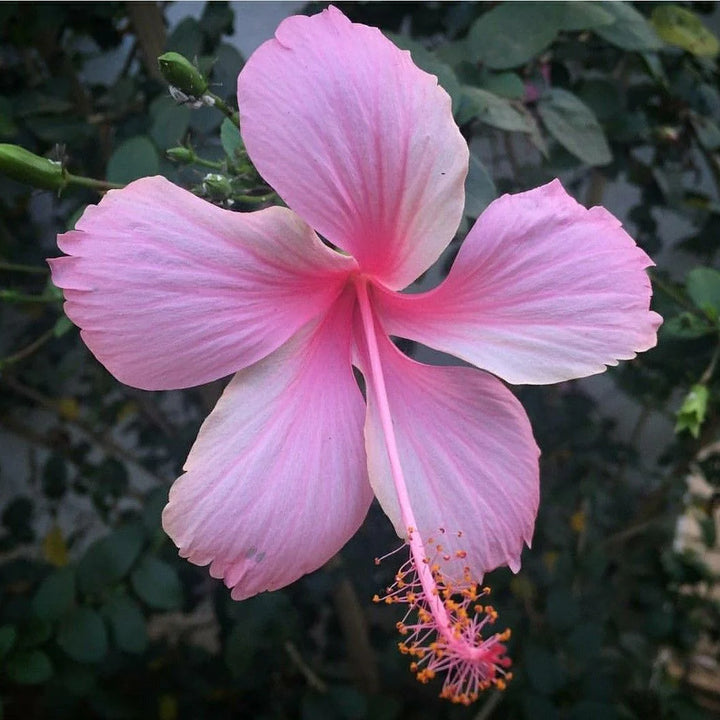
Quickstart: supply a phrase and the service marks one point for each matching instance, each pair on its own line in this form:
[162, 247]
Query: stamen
[443, 628]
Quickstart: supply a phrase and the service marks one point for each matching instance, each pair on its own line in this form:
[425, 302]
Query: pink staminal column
[444, 624]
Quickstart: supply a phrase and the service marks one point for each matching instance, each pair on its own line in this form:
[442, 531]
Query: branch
[110, 447]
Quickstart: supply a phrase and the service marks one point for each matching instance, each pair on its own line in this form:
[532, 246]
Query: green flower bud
[217, 186]
[26, 167]
[180, 154]
[182, 74]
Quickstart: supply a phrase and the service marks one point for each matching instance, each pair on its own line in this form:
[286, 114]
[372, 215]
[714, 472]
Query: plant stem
[313, 680]
[674, 294]
[28, 349]
[12, 296]
[489, 707]
[100, 185]
[710, 369]
[254, 199]
[14, 267]
[208, 163]
[224, 108]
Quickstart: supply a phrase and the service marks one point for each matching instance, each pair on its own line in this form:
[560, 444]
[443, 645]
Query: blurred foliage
[99, 618]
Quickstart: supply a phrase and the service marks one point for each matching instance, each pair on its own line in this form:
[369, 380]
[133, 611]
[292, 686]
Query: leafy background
[615, 612]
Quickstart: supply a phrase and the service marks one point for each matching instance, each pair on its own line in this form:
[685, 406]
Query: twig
[152, 412]
[15, 267]
[92, 183]
[355, 632]
[490, 704]
[223, 107]
[596, 189]
[147, 22]
[632, 531]
[28, 349]
[710, 369]
[673, 293]
[312, 678]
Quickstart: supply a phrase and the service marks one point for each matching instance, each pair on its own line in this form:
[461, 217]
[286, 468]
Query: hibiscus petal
[357, 140]
[171, 291]
[542, 290]
[468, 456]
[276, 481]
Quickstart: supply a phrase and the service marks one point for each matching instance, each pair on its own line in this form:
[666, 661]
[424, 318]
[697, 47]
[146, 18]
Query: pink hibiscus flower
[171, 291]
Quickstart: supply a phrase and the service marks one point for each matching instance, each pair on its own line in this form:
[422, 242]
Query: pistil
[445, 632]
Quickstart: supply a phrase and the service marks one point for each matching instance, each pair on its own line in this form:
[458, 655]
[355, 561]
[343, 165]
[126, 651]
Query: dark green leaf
[430, 63]
[153, 505]
[543, 669]
[128, 624]
[8, 128]
[574, 126]
[703, 287]
[38, 103]
[157, 584]
[60, 129]
[8, 635]
[110, 480]
[585, 641]
[170, 122]
[603, 97]
[82, 635]
[31, 667]
[707, 131]
[55, 594]
[562, 608]
[33, 632]
[315, 705]
[227, 64]
[452, 53]
[496, 111]
[133, 159]
[108, 560]
[77, 678]
[630, 30]
[186, 39]
[589, 709]
[349, 702]
[217, 20]
[205, 120]
[62, 325]
[230, 138]
[579, 15]
[74, 217]
[506, 84]
[54, 477]
[537, 707]
[479, 188]
[263, 622]
[16, 518]
[511, 34]
[708, 530]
